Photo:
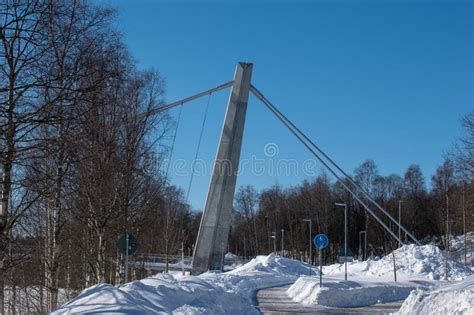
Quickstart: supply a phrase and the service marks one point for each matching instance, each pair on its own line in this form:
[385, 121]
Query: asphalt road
[275, 301]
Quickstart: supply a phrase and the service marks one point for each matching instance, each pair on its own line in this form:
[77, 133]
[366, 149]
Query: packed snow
[337, 293]
[158, 294]
[426, 261]
[260, 272]
[458, 249]
[210, 293]
[456, 298]
[275, 265]
[371, 282]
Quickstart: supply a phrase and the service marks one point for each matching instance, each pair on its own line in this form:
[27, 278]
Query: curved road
[276, 301]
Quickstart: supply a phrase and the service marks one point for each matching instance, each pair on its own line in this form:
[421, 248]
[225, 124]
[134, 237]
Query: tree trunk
[100, 265]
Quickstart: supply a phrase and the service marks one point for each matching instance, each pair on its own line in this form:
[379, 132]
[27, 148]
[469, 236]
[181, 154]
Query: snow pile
[27, 300]
[306, 290]
[210, 293]
[426, 261]
[232, 261]
[158, 294]
[261, 272]
[457, 248]
[276, 265]
[231, 256]
[451, 299]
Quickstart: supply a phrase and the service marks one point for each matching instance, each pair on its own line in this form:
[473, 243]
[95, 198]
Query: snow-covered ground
[210, 293]
[419, 269]
[28, 299]
[454, 298]
[420, 274]
[457, 248]
[426, 261]
[339, 293]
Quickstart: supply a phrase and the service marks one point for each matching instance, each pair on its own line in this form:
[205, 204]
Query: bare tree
[246, 201]
[20, 54]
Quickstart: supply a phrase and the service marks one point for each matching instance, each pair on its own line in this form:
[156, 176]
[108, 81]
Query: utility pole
[282, 241]
[399, 222]
[310, 244]
[345, 237]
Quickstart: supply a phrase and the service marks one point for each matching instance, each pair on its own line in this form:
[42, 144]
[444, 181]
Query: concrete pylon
[213, 235]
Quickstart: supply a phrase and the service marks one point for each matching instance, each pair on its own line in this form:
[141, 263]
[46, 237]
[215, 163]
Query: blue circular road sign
[132, 244]
[321, 241]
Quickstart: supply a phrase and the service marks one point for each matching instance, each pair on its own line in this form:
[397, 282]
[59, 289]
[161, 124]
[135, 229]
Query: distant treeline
[428, 213]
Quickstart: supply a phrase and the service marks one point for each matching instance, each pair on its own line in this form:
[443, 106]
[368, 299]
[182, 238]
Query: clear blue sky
[387, 81]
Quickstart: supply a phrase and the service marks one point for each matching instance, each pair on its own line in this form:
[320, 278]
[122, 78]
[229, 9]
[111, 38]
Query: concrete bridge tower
[211, 243]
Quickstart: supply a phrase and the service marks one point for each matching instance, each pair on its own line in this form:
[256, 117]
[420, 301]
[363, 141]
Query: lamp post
[282, 241]
[310, 245]
[274, 242]
[345, 237]
[399, 222]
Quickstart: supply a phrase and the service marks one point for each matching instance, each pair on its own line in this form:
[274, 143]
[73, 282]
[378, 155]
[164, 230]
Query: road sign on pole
[132, 244]
[127, 244]
[320, 241]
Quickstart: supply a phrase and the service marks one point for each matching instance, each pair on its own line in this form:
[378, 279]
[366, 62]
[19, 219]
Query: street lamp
[274, 242]
[282, 240]
[345, 237]
[310, 245]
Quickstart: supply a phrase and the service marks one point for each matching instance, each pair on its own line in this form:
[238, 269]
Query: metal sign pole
[126, 257]
[345, 242]
[182, 257]
[394, 266]
[321, 241]
[310, 245]
[320, 268]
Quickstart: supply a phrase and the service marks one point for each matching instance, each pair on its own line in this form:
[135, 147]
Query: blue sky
[387, 81]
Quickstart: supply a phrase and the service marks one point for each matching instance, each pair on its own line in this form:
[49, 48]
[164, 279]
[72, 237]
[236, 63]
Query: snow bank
[346, 293]
[159, 294]
[230, 255]
[457, 248]
[275, 264]
[210, 293]
[261, 272]
[426, 261]
[451, 299]
[232, 261]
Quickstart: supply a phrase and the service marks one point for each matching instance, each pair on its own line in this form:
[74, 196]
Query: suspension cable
[198, 146]
[189, 99]
[304, 140]
[173, 143]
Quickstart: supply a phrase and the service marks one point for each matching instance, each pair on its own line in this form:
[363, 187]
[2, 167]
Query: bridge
[153, 263]
[211, 243]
